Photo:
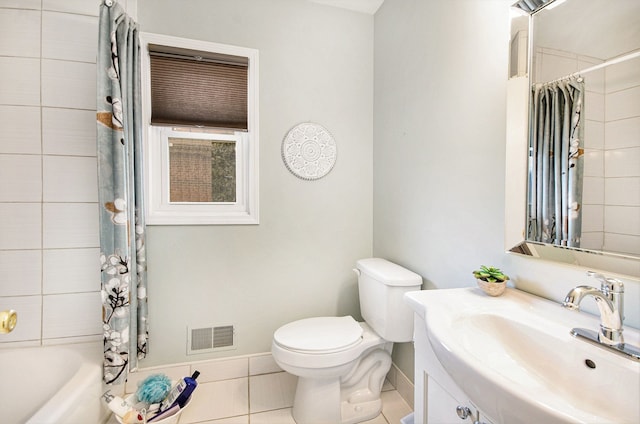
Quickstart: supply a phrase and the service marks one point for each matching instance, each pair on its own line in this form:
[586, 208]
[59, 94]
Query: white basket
[174, 419]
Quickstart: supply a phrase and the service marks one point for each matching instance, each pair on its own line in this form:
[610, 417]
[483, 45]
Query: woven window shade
[209, 93]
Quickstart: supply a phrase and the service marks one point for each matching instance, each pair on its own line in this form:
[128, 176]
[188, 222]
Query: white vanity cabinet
[438, 400]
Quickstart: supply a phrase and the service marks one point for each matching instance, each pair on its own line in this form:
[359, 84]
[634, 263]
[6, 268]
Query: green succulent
[490, 274]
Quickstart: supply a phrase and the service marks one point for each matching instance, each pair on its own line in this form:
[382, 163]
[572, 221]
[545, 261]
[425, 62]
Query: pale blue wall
[316, 64]
[439, 150]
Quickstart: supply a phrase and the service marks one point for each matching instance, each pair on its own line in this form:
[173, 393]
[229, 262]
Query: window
[200, 110]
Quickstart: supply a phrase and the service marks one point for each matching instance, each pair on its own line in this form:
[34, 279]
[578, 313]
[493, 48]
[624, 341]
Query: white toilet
[341, 363]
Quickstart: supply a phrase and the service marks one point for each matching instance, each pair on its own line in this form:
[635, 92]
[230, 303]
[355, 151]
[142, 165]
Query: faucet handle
[607, 284]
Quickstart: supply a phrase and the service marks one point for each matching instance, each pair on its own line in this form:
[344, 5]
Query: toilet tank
[382, 285]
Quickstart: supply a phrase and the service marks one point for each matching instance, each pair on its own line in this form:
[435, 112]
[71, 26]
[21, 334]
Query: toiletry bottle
[119, 406]
[181, 392]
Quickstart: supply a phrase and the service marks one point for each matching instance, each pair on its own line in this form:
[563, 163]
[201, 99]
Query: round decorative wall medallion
[309, 151]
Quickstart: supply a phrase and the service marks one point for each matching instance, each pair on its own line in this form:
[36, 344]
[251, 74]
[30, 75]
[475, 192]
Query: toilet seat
[319, 335]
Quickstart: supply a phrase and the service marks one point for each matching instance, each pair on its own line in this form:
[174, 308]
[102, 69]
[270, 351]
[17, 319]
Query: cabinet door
[442, 408]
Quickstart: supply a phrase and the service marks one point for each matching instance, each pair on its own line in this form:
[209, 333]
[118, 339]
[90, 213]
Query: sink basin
[514, 357]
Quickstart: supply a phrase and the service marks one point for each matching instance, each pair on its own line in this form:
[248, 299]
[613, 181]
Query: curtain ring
[108, 3]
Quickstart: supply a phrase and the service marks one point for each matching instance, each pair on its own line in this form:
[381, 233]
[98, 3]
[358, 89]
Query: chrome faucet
[610, 301]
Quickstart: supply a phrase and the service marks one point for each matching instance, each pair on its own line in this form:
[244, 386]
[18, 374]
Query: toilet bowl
[341, 364]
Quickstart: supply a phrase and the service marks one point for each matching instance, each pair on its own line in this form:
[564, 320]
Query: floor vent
[209, 339]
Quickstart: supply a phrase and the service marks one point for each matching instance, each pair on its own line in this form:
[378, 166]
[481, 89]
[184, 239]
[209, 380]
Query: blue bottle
[180, 393]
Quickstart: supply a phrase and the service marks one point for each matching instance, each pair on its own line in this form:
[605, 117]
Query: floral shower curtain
[122, 229]
[556, 166]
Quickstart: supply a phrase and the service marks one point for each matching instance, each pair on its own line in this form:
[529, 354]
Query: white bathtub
[49, 385]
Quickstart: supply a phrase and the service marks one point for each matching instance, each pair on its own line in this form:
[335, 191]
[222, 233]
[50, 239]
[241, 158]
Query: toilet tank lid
[388, 272]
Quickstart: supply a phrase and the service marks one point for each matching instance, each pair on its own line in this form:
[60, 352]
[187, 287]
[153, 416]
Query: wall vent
[210, 339]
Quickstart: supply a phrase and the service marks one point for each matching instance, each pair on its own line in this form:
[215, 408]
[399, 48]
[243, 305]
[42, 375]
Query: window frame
[158, 209]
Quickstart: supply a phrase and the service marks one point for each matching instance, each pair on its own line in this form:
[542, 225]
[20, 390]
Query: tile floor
[255, 390]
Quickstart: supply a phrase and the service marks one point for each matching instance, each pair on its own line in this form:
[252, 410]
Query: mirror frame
[516, 157]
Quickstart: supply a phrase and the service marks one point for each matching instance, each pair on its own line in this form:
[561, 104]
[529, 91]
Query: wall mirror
[595, 45]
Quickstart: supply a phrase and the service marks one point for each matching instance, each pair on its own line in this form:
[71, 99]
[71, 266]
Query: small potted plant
[491, 280]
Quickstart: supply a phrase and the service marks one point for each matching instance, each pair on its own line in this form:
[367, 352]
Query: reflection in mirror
[585, 51]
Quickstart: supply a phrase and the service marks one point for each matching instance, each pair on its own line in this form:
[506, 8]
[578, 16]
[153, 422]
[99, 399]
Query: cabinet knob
[463, 412]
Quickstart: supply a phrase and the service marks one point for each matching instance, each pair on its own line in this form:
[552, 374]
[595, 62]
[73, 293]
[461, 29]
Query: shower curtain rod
[604, 64]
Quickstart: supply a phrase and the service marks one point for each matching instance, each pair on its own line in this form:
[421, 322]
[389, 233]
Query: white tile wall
[622, 243]
[594, 106]
[622, 191]
[70, 37]
[593, 193]
[69, 225]
[622, 220]
[68, 315]
[20, 226]
[48, 204]
[623, 75]
[21, 129]
[70, 179]
[22, 29]
[623, 104]
[622, 155]
[68, 84]
[622, 162]
[22, 4]
[68, 132]
[81, 7]
[623, 133]
[592, 240]
[594, 135]
[70, 270]
[593, 163]
[21, 271]
[595, 214]
[224, 369]
[24, 74]
[29, 317]
[20, 178]
[263, 364]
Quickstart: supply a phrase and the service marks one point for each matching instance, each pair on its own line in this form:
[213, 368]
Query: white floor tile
[394, 407]
[222, 399]
[380, 419]
[271, 391]
[243, 419]
[279, 416]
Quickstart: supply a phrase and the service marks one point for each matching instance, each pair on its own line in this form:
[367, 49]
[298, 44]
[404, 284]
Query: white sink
[515, 359]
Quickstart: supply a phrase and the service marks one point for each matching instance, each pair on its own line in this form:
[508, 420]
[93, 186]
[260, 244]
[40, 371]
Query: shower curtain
[120, 165]
[556, 162]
